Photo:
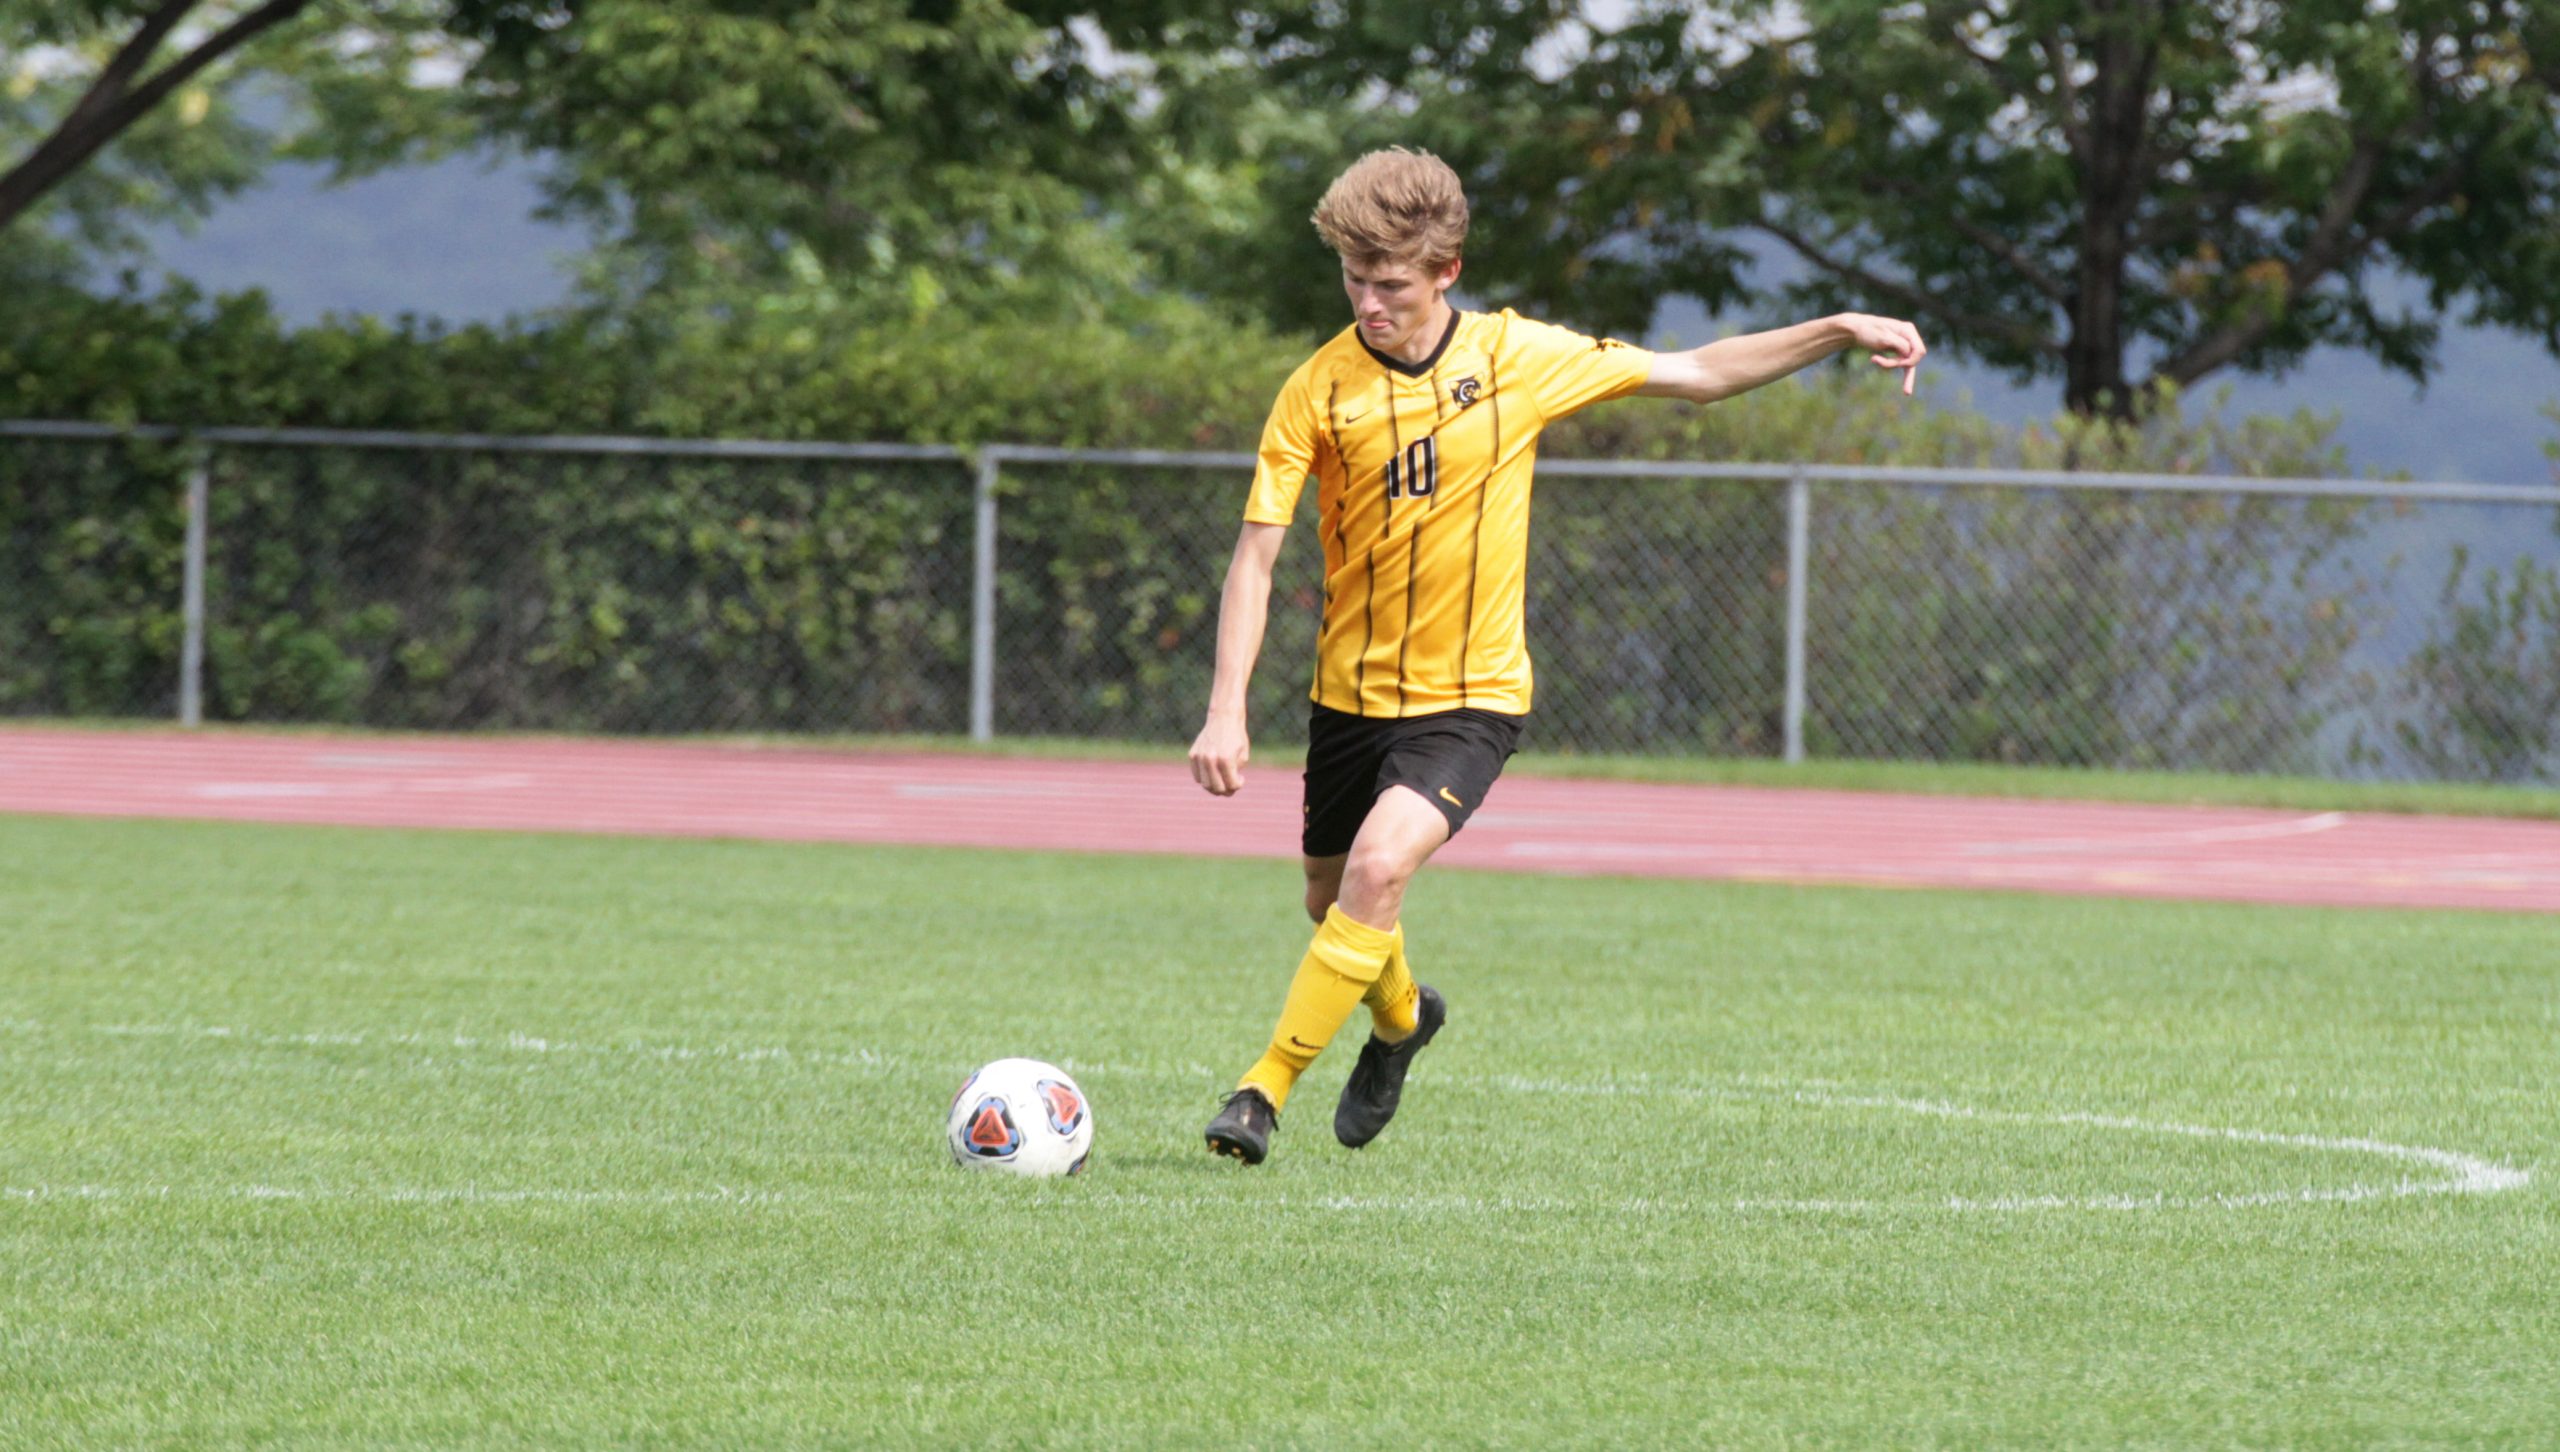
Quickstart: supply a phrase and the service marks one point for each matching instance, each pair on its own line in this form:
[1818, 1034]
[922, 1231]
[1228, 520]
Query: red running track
[1531, 824]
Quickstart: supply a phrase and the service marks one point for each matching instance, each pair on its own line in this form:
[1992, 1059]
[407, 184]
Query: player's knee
[1373, 875]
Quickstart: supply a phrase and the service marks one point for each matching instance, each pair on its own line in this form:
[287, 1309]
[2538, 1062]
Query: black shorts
[1450, 757]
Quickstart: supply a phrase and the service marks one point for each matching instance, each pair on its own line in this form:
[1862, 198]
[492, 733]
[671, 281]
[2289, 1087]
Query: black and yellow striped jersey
[1422, 502]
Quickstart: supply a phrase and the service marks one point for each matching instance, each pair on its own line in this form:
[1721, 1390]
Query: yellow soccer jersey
[1422, 503]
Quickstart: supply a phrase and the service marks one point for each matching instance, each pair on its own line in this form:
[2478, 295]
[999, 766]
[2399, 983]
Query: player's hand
[1219, 754]
[1893, 343]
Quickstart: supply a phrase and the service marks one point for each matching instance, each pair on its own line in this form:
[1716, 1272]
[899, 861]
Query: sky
[459, 240]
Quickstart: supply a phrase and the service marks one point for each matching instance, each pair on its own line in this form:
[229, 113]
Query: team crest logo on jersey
[1466, 391]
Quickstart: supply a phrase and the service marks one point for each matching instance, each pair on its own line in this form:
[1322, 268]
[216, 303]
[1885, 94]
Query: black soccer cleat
[1377, 1081]
[1243, 1126]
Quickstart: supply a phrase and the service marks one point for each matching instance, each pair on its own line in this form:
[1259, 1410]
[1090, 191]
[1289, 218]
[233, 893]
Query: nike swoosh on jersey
[1453, 801]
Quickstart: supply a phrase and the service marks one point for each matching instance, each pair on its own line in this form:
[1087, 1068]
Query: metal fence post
[1799, 516]
[191, 591]
[982, 606]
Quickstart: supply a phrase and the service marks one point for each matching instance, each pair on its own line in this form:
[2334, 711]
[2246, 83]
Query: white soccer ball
[1021, 1115]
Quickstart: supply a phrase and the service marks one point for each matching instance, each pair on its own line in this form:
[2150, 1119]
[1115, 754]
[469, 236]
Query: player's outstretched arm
[1219, 753]
[1737, 365]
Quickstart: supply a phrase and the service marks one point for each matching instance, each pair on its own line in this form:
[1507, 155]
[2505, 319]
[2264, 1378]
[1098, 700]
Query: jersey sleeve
[1290, 438]
[1567, 371]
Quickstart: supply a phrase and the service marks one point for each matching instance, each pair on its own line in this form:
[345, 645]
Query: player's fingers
[1230, 777]
[1900, 345]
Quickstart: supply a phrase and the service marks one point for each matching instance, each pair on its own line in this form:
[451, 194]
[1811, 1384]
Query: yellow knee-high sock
[1393, 1000]
[1345, 958]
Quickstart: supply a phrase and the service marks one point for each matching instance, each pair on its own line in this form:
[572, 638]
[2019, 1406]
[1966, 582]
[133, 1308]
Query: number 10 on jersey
[1416, 474]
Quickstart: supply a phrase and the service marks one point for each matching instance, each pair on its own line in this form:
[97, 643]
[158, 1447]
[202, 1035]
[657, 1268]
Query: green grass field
[341, 1138]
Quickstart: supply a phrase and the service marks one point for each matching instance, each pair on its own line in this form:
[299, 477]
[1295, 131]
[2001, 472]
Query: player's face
[1392, 302]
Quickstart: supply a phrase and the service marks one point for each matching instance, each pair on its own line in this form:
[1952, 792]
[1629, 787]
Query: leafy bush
[407, 587]
[2483, 695]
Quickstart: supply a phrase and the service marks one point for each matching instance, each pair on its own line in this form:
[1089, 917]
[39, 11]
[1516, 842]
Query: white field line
[512, 1043]
[1081, 1197]
[2467, 1174]
[2461, 1174]
[398, 1195]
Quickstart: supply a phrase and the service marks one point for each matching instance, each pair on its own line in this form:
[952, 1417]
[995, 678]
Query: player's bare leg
[1398, 836]
[1324, 883]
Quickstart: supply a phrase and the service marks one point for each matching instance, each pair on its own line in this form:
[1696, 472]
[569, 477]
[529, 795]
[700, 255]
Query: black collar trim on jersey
[1416, 370]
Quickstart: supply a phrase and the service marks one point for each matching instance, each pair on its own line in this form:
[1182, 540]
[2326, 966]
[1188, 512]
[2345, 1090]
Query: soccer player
[1419, 423]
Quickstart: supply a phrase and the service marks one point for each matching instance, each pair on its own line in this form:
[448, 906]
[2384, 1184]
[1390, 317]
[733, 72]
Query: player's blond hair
[1395, 207]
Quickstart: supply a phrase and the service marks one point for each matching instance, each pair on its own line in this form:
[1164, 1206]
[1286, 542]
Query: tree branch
[2174, 217]
[2338, 213]
[2301, 275]
[2133, 107]
[127, 62]
[2007, 329]
[81, 136]
[221, 43]
[2067, 93]
[1992, 242]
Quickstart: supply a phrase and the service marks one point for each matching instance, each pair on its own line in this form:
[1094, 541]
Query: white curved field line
[2456, 1173]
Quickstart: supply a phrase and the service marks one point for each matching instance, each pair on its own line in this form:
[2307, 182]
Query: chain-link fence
[2337, 628]
[562, 591]
[92, 549]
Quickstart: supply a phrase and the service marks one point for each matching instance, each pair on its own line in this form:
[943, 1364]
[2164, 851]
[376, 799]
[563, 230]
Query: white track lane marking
[2463, 1174]
[933, 790]
[2145, 841]
[1738, 847]
[499, 781]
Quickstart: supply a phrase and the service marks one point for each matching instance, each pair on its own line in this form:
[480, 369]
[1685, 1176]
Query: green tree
[2118, 194]
[882, 151]
[857, 150]
[120, 112]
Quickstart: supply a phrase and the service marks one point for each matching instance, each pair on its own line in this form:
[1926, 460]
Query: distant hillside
[456, 239]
